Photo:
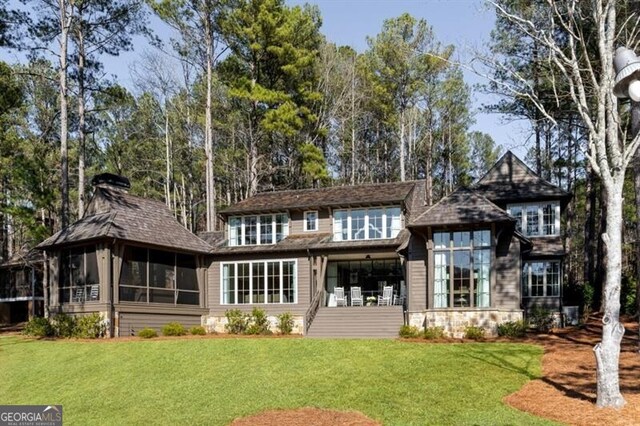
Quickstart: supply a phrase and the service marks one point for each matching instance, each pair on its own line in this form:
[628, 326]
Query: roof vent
[111, 181]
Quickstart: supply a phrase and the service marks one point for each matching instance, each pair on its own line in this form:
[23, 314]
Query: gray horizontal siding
[417, 274]
[303, 280]
[506, 291]
[129, 324]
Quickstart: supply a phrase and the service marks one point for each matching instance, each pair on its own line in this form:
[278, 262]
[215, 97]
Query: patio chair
[387, 296]
[95, 292]
[79, 295]
[356, 296]
[341, 298]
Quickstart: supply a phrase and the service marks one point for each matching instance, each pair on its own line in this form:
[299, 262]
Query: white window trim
[242, 229]
[523, 207]
[384, 233]
[315, 222]
[265, 282]
[544, 279]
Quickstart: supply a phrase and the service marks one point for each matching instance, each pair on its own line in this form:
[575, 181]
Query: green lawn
[213, 381]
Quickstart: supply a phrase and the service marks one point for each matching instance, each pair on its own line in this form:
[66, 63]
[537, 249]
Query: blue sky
[466, 24]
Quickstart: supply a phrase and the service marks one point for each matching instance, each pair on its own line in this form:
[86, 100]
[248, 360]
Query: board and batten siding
[506, 291]
[325, 222]
[416, 274]
[303, 283]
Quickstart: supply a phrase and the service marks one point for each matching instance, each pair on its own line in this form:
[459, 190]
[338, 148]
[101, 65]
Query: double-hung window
[536, 219]
[311, 221]
[255, 230]
[366, 224]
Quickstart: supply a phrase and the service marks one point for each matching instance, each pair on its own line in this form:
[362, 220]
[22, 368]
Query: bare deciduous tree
[590, 78]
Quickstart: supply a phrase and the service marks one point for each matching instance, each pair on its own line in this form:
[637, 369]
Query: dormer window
[311, 221]
[536, 219]
[366, 224]
[257, 230]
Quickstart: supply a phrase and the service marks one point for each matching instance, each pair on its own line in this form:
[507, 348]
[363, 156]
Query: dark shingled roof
[116, 214]
[464, 206]
[289, 244]
[336, 196]
[511, 180]
[314, 242]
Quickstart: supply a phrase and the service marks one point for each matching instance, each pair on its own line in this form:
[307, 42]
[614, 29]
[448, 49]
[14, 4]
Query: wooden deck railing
[313, 309]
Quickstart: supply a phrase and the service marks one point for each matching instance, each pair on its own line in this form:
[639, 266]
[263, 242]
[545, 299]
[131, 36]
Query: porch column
[54, 267]
[117, 252]
[430, 269]
[201, 276]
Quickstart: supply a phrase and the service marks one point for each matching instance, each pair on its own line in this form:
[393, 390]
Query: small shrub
[474, 333]
[236, 321]
[540, 319]
[64, 325]
[90, 327]
[409, 331]
[258, 322]
[174, 329]
[197, 330]
[147, 333]
[512, 329]
[39, 327]
[434, 333]
[285, 323]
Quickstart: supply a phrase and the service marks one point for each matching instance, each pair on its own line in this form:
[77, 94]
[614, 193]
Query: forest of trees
[249, 96]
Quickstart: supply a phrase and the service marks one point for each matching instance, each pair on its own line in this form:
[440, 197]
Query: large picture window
[259, 282]
[536, 219]
[154, 276]
[462, 269]
[366, 224]
[255, 230]
[79, 279]
[541, 279]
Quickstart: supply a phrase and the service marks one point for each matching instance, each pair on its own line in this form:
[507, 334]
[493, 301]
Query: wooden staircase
[357, 322]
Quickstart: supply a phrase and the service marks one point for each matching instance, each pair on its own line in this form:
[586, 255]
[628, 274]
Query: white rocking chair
[341, 298]
[387, 296]
[356, 296]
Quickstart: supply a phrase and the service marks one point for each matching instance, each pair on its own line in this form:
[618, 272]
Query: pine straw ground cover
[567, 390]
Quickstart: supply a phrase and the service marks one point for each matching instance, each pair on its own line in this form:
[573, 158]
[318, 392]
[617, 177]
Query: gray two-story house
[350, 261]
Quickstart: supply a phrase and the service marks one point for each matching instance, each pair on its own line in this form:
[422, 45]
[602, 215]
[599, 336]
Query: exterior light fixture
[627, 66]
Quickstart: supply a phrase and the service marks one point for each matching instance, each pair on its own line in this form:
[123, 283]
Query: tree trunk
[428, 172]
[210, 187]
[167, 145]
[402, 143]
[635, 129]
[65, 23]
[607, 352]
[81, 122]
[590, 241]
[353, 123]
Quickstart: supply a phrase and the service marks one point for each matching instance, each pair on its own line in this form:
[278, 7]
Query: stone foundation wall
[217, 324]
[454, 322]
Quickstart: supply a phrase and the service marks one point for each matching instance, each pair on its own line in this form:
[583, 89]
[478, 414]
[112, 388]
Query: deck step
[357, 322]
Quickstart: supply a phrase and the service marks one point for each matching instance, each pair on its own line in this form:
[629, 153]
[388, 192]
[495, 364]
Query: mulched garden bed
[306, 417]
[567, 390]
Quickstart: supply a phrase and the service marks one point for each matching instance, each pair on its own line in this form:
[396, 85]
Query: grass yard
[213, 381]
